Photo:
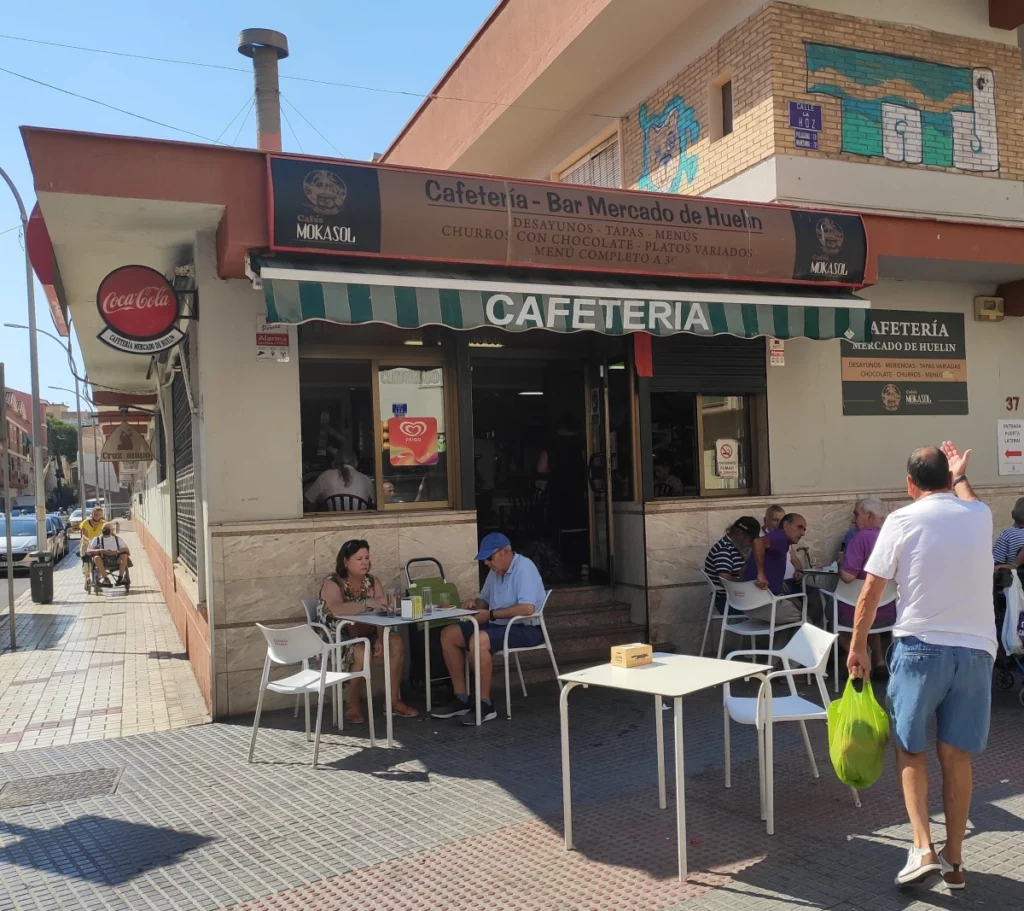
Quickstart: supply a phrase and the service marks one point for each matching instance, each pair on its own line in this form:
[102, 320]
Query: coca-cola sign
[140, 309]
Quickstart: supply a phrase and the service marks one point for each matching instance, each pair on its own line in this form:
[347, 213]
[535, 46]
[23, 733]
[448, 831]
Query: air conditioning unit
[988, 309]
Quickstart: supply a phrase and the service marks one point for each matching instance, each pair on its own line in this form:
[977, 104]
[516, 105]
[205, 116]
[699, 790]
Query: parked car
[75, 519]
[24, 541]
[60, 535]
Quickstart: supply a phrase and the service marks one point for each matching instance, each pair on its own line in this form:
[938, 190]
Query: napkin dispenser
[633, 655]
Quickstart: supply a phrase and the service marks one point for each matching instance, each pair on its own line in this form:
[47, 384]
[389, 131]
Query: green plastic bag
[858, 733]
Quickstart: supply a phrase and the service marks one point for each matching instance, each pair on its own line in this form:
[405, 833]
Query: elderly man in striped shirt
[727, 555]
[1009, 550]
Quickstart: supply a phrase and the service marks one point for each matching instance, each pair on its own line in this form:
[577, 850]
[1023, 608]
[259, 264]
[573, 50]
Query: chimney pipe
[266, 47]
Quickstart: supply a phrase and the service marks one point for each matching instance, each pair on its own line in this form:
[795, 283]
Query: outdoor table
[672, 676]
[388, 623]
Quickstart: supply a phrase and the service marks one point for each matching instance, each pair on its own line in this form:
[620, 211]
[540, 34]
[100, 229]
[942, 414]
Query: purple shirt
[775, 558]
[857, 553]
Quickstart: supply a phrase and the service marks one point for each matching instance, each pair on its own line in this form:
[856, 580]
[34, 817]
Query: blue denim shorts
[952, 683]
[520, 636]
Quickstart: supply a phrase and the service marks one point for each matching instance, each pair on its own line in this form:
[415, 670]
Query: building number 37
[1012, 402]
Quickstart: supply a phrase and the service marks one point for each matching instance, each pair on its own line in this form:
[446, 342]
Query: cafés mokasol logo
[830, 239]
[891, 397]
[325, 191]
[140, 309]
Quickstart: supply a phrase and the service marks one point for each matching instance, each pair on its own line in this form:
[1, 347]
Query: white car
[23, 541]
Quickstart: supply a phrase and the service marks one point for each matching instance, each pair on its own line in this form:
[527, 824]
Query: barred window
[598, 168]
[184, 468]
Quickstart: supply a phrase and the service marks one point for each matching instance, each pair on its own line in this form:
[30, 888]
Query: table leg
[680, 788]
[659, 725]
[426, 659]
[563, 710]
[476, 672]
[387, 683]
[769, 761]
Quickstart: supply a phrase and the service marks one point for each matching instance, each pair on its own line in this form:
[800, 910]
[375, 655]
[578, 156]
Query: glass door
[599, 474]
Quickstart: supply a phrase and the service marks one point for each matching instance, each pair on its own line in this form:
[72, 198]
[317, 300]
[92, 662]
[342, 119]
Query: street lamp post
[37, 410]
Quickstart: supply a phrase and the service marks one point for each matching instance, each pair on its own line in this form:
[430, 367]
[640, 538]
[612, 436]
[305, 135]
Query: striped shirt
[724, 557]
[1008, 545]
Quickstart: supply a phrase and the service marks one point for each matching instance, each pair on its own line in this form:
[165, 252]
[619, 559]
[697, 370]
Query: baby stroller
[1005, 666]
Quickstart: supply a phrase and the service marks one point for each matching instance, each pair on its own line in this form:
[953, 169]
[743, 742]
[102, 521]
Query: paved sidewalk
[461, 818]
[90, 667]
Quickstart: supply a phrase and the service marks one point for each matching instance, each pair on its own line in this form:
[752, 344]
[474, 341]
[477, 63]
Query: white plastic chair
[809, 649]
[745, 597]
[715, 589]
[296, 645]
[537, 615]
[309, 605]
[848, 593]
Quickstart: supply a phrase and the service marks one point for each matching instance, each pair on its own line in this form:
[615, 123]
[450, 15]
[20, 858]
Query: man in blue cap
[513, 589]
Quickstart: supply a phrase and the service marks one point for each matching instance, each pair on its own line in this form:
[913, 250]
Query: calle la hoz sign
[140, 310]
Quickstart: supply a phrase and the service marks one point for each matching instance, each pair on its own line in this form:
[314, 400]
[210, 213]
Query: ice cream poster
[413, 441]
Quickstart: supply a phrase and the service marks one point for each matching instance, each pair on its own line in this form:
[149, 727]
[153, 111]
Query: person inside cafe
[868, 517]
[109, 552]
[513, 588]
[767, 563]
[772, 517]
[347, 592]
[89, 529]
[1008, 552]
[728, 554]
[343, 478]
[666, 484]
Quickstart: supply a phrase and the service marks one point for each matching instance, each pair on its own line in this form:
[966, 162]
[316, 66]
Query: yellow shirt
[91, 529]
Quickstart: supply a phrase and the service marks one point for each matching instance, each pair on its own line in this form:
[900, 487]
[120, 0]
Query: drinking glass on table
[445, 600]
[428, 601]
[390, 602]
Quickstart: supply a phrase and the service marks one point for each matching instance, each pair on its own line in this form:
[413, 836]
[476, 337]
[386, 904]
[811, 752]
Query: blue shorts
[952, 683]
[520, 636]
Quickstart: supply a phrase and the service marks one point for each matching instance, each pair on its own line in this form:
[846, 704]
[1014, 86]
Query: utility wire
[103, 104]
[338, 85]
[245, 104]
[318, 133]
[8, 230]
[295, 135]
[245, 120]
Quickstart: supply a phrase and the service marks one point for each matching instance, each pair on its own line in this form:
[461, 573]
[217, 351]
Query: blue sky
[392, 44]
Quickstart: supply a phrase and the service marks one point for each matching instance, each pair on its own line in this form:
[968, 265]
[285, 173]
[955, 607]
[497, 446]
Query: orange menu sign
[413, 441]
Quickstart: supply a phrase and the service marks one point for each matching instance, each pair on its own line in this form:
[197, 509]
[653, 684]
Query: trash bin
[41, 576]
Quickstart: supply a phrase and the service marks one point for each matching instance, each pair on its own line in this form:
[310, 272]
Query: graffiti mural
[908, 110]
[667, 138]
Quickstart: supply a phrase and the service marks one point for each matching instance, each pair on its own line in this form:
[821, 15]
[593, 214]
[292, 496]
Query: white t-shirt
[330, 483]
[939, 551]
[790, 571]
[106, 542]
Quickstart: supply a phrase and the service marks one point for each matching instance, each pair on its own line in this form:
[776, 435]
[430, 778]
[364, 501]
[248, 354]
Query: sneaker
[455, 707]
[952, 874]
[487, 713]
[918, 867]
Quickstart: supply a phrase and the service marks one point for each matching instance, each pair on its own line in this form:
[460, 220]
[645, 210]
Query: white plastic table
[671, 676]
[389, 623]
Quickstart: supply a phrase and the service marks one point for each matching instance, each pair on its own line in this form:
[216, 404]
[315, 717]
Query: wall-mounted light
[531, 392]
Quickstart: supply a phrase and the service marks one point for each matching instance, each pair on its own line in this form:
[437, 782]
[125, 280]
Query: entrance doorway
[531, 421]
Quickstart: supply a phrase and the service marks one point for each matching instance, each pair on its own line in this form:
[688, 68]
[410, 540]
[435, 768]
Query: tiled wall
[680, 534]
[261, 571]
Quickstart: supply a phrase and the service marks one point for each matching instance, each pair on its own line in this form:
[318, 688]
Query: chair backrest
[437, 585]
[292, 644]
[344, 502]
[410, 563]
[714, 584]
[661, 489]
[309, 605]
[746, 596]
[809, 647]
[849, 592]
[538, 610]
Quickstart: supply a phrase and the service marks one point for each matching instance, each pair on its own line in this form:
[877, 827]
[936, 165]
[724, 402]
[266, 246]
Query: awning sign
[140, 309]
[126, 444]
[349, 208]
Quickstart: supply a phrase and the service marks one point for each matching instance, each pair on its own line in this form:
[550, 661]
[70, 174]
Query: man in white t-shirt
[109, 552]
[344, 478]
[938, 549]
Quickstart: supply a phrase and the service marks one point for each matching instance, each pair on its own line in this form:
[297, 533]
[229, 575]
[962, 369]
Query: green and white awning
[297, 293]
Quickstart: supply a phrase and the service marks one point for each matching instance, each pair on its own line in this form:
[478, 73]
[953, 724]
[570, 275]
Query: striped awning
[297, 293]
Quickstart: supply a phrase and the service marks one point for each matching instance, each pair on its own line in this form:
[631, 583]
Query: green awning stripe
[294, 301]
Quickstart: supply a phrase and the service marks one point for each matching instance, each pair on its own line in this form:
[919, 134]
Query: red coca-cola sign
[140, 309]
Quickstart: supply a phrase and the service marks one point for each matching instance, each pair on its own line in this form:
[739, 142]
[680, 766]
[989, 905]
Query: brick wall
[889, 94]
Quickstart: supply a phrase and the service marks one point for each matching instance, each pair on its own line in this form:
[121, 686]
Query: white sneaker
[952, 874]
[918, 867]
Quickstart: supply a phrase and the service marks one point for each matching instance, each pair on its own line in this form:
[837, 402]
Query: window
[384, 419]
[726, 108]
[184, 467]
[726, 458]
[598, 168]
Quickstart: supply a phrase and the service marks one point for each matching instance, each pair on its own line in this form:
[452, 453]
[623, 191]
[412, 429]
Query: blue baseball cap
[491, 543]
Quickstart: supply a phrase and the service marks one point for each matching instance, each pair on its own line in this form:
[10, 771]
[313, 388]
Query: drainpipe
[265, 47]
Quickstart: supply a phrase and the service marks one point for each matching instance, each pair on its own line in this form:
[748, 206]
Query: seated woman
[349, 591]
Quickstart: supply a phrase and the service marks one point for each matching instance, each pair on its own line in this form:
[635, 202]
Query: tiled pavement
[460, 818]
[90, 667]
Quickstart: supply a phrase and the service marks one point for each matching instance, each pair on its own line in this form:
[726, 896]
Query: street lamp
[78, 409]
[37, 410]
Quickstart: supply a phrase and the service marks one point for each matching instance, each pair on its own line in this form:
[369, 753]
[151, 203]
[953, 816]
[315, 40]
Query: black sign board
[915, 363]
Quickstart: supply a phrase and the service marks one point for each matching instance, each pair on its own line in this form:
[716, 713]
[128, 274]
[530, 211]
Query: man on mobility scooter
[109, 552]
